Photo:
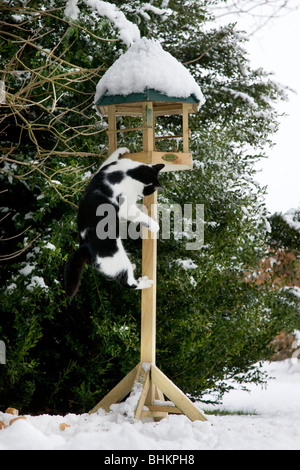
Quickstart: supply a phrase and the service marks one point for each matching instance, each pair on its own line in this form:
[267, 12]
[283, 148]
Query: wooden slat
[183, 160]
[148, 321]
[167, 109]
[149, 252]
[145, 380]
[165, 409]
[112, 126]
[185, 127]
[157, 415]
[160, 109]
[176, 395]
[143, 157]
[169, 137]
[118, 392]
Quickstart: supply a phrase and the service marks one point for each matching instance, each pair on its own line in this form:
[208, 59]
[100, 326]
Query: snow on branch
[128, 31]
[164, 12]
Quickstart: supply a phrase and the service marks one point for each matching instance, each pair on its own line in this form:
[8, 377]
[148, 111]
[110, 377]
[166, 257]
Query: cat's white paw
[133, 266]
[144, 283]
[123, 150]
[153, 226]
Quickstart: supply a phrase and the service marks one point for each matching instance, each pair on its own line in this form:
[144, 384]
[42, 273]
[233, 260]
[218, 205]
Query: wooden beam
[143, 157]
[118, 392]
[144, 379]
[169, 137]
[183, 160]
[148, 127]
[164, 409]
[166, 158]
[185, 127]
[129, 129]
[112, 129]
[159, 108]
[179, 399]
[149, 253]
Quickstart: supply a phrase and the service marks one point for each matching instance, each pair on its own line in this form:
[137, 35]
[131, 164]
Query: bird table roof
[147, 72]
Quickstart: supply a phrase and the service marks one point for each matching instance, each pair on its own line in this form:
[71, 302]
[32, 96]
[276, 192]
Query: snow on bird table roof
[145, 65]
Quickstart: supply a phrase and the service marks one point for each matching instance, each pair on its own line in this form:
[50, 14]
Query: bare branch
[259, 12]
[211, 47]
[36, 111]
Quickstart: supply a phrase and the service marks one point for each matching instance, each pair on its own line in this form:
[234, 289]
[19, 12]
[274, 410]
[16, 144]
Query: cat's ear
[157, 168]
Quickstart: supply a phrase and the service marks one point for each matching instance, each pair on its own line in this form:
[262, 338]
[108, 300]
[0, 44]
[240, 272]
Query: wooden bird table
[154, 385]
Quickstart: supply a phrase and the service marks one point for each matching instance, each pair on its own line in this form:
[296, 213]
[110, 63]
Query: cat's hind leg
[127, 280]
[144, 283]
[119, 267]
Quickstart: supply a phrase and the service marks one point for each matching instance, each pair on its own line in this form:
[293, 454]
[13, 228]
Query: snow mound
[146, 65]
[275, 424]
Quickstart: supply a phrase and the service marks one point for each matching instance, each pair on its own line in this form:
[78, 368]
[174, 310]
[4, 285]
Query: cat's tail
[74, 268]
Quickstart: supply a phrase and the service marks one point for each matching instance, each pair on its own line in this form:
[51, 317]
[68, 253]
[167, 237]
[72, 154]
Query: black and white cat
[118, 184]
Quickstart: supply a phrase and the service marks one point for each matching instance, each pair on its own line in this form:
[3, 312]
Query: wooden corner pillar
[149, 252]
[152, 384]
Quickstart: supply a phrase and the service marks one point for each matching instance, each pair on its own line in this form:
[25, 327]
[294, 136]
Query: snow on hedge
[292, 218]
[128, 31]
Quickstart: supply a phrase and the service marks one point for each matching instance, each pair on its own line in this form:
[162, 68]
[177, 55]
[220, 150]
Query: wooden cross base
[149, 385]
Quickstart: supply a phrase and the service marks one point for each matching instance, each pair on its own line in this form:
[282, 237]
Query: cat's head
[151, 179]
[148, 176]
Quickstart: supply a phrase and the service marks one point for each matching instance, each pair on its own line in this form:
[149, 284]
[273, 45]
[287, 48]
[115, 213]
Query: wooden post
[185, 127]
[149, 255]
[112, 129]
[149, 252]
[148, 127]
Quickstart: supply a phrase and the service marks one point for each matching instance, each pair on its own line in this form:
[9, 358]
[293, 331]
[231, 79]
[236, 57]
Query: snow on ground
[275, 424]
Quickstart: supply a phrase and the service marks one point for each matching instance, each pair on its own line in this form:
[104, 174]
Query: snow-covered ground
[275, 424]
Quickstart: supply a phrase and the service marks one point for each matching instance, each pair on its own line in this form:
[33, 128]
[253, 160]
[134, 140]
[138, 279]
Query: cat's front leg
[139, 217]
[152, 225]
[134, 214]
[147, 222]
